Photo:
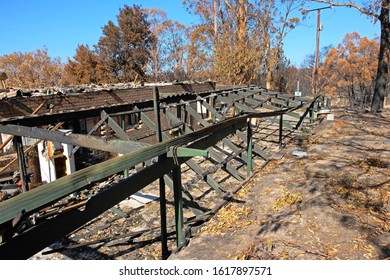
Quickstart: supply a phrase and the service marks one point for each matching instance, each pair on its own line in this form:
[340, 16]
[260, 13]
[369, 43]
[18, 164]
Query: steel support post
[280, 131]
[249, 150]
[163, 200]
[311, 113]
[123, 126]
[17, 141]
[178, 197]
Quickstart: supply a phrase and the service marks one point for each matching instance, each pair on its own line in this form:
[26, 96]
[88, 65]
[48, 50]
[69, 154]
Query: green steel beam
[194, 207]
[227, 100]
[264, 98]
[187, 200]
[163, 200]
[244, 109]
[286, 124]
[207, 177]
[175, 120]
[198, 170]
[178, 200]
[309, 109]
[115, 127]
[75, 149]
[226, 165]
[186, 152]
[211, 109]
[270, 107]
[253, 102]
[256, 148]
[280, 131]
[280, 102]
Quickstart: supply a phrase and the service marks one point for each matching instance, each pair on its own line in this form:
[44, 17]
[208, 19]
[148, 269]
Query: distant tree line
[233, 42]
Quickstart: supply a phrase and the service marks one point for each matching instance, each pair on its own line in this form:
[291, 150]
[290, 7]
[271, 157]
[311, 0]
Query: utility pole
[318, 30]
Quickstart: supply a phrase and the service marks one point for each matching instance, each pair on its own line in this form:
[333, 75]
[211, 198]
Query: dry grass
[287, 199]
[231, 217]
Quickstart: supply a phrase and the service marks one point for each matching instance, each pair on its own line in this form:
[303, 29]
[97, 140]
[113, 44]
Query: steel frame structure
[163, 158]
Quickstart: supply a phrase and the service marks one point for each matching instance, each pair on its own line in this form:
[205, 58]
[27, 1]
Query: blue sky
[28, 25]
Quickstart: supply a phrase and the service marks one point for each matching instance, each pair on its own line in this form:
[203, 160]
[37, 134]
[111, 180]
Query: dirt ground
[329, 202]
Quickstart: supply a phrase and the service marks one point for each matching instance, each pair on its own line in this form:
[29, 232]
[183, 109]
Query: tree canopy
[124, 48]
[232, 42]
[377, 10]
[349, 70]
[31, 69]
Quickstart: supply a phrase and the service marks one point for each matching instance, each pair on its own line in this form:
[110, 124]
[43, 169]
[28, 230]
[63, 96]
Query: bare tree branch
[350, 4]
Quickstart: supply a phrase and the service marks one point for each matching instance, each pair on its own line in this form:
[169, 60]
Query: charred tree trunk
[383, 60]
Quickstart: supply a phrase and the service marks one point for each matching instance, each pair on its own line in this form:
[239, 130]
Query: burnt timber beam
[29, 149]
[113, 146]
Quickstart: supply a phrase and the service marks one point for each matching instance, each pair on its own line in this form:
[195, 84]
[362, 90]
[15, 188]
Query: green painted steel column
[280, 131]
[249, 150]
[163, 200]
[123, 126]
[22, 162]
[312, 113]
[178, 197]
